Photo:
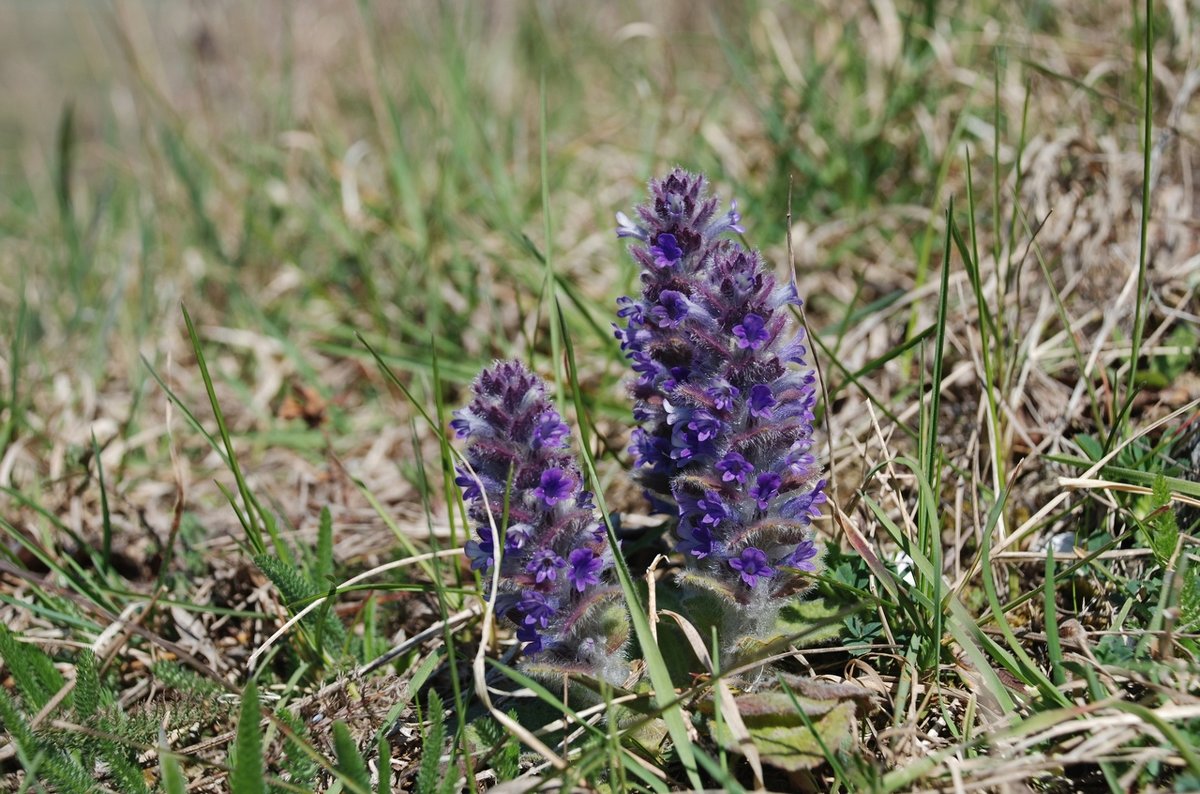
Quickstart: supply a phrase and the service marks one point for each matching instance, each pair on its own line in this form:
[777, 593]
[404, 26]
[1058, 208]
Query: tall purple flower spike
[556, 558]
[723, 406]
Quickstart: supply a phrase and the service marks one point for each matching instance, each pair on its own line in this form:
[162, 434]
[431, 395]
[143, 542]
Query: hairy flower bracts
[724, 409]
[555, 553]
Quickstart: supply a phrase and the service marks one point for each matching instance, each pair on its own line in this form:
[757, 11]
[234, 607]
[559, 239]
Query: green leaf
[815, 620]
[300, 767]
[33, 671]
[431, 748]
[793, 747]
[1163, 528]
[350, 762]
[124, 768]
[324, 565]
[297, 590]
[1189, 600]
[172, 775]
[43, 762]
[87, 686]
[249, 771]
[779, 729]
[384, 785]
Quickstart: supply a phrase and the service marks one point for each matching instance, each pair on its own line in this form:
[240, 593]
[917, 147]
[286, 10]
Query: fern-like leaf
[350, 762]
[33, 671]
[1164, 527]
[323, 568]
[505, 762]
[299, 765]
[249, 771]
[297, 589]
[87, 686]
[1189, 600]
[54, 766]
[384, 784]
[124, 768]
[428, 777]
[182, 679]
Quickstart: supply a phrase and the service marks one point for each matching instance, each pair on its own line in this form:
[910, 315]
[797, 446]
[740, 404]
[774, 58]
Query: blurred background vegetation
[431, 175]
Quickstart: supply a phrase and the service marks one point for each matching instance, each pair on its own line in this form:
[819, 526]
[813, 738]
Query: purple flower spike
[555, 486]
[753, 565]
[585, 569]
[722, 400]
[554, 563]
[751, 333]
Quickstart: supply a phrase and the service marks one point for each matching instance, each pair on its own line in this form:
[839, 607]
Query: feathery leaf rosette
[724, 409]
[553, 569]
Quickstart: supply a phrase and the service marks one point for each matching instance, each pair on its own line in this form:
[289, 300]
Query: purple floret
[803, 558]
[544, 565]
[672, 308]
[752, 565]
[762, 400]
[555, 486]
[480, 552]
[765, 488]
[666, 251]
[550, 431]
[584, 570]
[724, 398]
[751, 332]
[535, 609]
[733, 467]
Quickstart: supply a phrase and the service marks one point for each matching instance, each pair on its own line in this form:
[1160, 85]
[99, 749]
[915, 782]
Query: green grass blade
[1050, 610]
[254, 531]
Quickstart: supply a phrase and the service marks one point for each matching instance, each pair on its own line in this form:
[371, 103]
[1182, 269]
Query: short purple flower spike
[554, 564]
[723, 404]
